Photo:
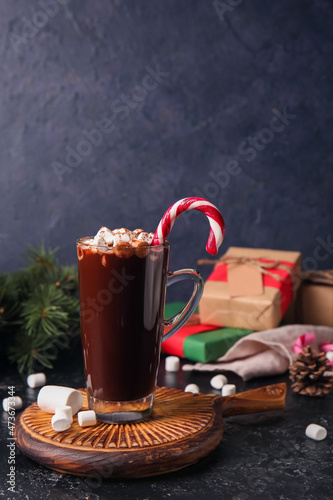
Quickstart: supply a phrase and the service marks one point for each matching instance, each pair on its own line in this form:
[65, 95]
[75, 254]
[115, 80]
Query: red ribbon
[303, 341]
[306, 339]
[175, 344]
[220, 273]
[326, 346]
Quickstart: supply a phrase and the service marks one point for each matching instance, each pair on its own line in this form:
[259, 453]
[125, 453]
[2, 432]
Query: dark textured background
[226, 74]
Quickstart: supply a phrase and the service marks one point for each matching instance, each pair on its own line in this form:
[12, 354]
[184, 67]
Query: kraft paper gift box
[316, 298]
[251, 288]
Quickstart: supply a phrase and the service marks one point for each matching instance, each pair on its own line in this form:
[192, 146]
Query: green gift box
[200, 342]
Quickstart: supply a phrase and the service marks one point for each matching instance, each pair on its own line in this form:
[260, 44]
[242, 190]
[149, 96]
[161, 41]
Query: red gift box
[259, 309]
[202, 343]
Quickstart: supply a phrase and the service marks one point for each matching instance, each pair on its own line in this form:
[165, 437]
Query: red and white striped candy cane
[217, 227]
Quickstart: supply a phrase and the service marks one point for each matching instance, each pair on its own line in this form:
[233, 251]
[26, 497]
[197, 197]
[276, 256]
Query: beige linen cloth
[269, 352]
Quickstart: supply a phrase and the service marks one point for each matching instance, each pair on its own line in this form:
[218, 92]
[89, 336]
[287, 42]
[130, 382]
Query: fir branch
[9, 306]
[40, 307]
[63, 277]
[27, 350]
[45, 311]
[41, 257]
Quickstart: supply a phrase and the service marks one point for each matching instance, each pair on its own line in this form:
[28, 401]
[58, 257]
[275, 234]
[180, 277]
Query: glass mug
[122, 298]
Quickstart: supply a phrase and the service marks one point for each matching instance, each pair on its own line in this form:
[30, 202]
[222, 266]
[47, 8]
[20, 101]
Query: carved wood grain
[183, 428]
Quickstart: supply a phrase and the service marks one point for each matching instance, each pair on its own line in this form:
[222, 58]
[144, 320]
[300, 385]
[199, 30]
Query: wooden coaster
[182, 429]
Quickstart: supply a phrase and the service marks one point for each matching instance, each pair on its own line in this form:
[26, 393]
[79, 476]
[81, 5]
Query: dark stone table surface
[264, 457]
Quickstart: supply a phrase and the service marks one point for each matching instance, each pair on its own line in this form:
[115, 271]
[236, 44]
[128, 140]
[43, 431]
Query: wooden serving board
[182, 429]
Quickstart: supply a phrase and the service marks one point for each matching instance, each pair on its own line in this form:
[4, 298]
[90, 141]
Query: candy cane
[217, 227]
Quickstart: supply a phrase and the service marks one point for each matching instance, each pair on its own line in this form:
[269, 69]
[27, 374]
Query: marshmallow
[192, 388]
[316, 432]
[148, 237]
[65, 411]
[329, 355]
[187, 368]
[228, 389]
[104, 237]
[171, 364]
[60, 423]
[218, 381]
[123, 250]
[139, 244]
[51, 396]
[86, 418]
[12, 403]
[36, 380]
[118, 237]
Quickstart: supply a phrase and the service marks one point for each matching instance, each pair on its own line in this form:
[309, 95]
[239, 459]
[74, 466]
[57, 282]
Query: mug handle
[179, 319]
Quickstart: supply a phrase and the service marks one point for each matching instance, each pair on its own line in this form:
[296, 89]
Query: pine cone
[307, 371]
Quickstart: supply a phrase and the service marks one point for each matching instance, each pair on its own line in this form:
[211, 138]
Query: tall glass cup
[122, 299]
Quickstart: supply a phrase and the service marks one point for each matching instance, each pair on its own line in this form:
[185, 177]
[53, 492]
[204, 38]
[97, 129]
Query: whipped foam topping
[107, 238]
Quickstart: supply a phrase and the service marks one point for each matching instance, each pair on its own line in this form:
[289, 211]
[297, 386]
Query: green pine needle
[39, 310]
[45, 310]
[41, 257]
[26, 351]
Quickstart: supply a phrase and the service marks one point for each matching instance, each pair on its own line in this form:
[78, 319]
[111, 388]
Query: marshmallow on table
[192, 388]
[51, 396]
[316, 432]
[65, 411]
[218, 381]
[36, 380]
[13, 403]
[228, 389]
[60, 422]
[187, 368]
[171, 364]
[86, 418]
[329, 355]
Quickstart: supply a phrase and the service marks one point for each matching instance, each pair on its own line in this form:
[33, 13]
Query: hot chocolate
[122, 294]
